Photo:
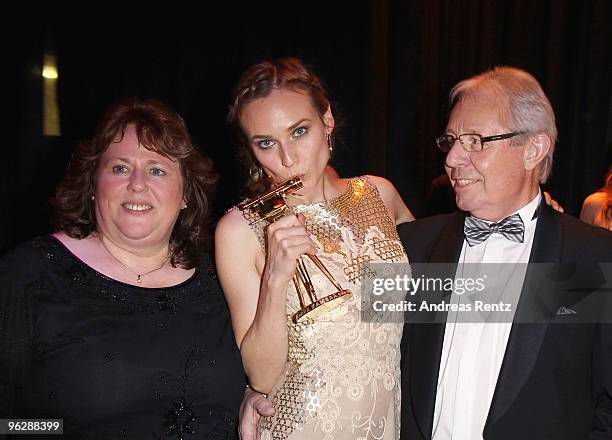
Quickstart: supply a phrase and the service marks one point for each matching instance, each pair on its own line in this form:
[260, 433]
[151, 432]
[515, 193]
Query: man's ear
[536, 150]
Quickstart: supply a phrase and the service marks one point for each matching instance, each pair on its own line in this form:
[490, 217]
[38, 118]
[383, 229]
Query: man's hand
[552, 202]
[254, 405]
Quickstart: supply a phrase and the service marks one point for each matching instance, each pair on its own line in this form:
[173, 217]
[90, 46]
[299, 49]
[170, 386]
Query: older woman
[116, 323]
[333, 376]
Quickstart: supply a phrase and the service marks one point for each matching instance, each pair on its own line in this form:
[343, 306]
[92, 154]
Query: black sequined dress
[115, 361]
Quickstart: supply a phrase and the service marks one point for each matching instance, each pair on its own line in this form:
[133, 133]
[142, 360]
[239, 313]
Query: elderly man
[503, 380]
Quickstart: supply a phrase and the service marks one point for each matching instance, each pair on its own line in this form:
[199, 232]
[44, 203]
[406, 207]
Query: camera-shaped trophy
[272, 205]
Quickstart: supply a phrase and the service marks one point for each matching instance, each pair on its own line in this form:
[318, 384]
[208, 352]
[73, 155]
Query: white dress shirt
[472, 353]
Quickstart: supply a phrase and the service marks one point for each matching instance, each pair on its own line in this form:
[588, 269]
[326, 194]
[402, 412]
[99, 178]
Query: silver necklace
[138, 275]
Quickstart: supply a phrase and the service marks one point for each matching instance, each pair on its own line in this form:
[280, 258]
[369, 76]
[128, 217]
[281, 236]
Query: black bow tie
[476, 231]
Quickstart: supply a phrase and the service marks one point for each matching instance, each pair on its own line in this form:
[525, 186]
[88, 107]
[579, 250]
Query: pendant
[138, 280]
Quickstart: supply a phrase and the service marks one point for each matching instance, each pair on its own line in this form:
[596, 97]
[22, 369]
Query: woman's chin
[140, 236]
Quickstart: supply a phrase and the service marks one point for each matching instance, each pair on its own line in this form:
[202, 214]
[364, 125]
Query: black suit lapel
[525, 340]
[426, 339]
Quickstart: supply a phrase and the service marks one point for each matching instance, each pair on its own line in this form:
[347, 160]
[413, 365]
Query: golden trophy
[272, 205]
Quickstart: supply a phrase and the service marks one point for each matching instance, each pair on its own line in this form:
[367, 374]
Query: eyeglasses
[471, 141]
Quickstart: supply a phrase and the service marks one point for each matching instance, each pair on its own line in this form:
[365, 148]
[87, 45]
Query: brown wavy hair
[158, 129]
[258, 81]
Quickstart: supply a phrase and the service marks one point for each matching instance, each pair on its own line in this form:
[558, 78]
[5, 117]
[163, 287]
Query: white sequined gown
[342, 378]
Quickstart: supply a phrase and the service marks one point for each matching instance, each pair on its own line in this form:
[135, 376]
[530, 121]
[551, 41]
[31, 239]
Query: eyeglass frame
[483, 140]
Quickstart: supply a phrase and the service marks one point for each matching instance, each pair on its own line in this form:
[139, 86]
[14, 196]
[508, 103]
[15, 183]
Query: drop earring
[255, 173]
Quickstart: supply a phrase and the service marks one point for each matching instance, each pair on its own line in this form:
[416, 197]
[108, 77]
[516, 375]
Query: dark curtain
[388, 64]
[23, 146]
[179, 53]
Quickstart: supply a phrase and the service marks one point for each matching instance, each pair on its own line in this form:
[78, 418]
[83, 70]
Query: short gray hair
[527, 110]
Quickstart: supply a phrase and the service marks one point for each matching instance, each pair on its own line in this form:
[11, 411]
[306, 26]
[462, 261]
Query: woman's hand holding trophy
[288, 236]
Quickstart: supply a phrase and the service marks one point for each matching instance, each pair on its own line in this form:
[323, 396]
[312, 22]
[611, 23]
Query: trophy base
[321, 306]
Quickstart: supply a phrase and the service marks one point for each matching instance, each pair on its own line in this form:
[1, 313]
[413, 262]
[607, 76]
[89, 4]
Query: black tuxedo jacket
[556, 379]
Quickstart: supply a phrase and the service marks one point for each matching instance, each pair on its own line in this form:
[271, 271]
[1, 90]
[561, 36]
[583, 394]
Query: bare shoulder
[599, 199]
[234, 228]
[234, 236]
[232, 222]
[592, 205]
[398, 210]
[384, 186]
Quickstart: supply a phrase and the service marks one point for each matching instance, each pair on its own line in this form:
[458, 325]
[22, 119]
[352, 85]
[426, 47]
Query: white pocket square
[565, 311]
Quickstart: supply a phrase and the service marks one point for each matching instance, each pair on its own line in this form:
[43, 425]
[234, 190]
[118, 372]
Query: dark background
[389, 65]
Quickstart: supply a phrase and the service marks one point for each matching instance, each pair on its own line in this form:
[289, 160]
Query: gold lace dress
[342, 378]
